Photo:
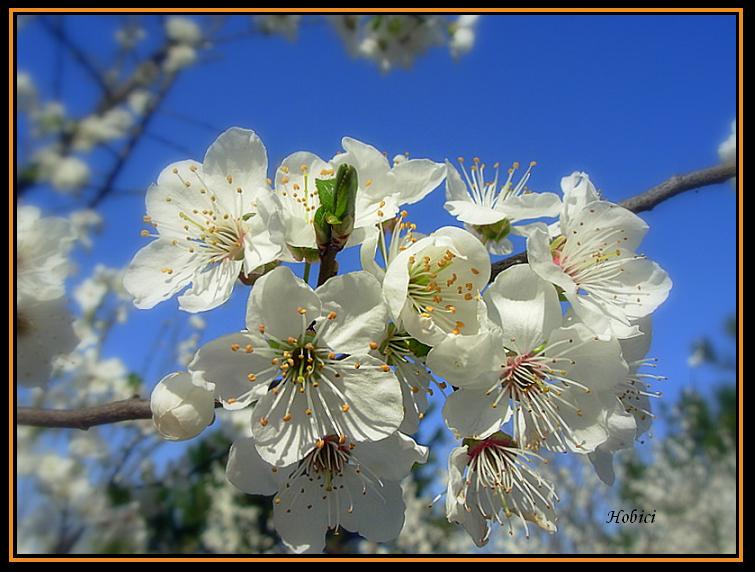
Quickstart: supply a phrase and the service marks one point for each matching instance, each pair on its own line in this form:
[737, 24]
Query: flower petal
[467, 361]
[211, 287]
[531, 205]
[416, 178]
[158, 271]
[302, 528]
[469, 413]
[456, 188]
[276, 301]
[227, 362]
[248, 472]
[378, 514]
[524, 305]
[360, 314]
[391, 458]
[472, 213]
[237, 158]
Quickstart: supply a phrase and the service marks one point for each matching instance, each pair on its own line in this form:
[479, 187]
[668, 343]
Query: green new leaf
[322, 228]
[346, 185]
[326, 189]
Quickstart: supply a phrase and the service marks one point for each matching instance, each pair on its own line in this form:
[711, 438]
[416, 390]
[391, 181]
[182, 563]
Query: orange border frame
[11, 285]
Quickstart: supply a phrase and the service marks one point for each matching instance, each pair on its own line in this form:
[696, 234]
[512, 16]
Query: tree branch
[135, 408]
[328, 263]
[115, 412]
[650, 199]
[131, 409]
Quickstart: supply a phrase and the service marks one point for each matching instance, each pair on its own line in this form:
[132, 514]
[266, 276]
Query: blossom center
[440, 283]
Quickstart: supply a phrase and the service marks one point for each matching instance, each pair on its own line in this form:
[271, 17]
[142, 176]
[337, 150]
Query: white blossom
[594, 261]
[554, 383]
[463, 34]
[182, 406]
[495, 480]
[43, 245]
[489, 212]
[179, 57]
[43, 331]
[632, 414]
[304, 360]
[183, 30]
[214, 220]
[84, 222]
[128, 36]
[96, 129]
[727, 150]
[26, 92]
[337, 484]
[432, 287]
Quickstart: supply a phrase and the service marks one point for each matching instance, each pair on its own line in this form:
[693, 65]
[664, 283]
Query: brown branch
[139, 408]
[328, 263]
[679, 184]
[125, 410]
[650, 199]
[115, 412]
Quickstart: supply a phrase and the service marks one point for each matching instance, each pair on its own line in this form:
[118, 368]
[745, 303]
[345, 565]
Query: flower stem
[307, 268]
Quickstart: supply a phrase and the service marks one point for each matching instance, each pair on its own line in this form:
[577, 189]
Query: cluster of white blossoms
[44, 325]
[338, 377]
[396, 40]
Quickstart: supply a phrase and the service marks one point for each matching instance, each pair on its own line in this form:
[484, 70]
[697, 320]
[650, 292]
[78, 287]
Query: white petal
[211, 287]
[472, 250]
[472, 213]
[524, 305]
[531, 205]
[147, 278]
[374, 399]
[578, 191]
[368, 252]
[378, 515]
[264, 238]
[466, 361]
[604, 215]
[594, 362]
[456, 188]
[303, 529]
[391, 458]
[247, 471]
[45, 330]
[170, 196]
[602, 460]
[540, 259]
[374, 411]
[357, 300]
[240, 155]
[469, 413]
[227, 363]
[280, 442]
[636, 348]
[275, 302]
[370, 164]
[416, 178]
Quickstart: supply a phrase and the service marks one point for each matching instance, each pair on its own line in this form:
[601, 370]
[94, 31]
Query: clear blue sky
[629, 99]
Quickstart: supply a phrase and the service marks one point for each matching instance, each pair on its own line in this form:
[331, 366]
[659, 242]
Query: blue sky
[631, 100]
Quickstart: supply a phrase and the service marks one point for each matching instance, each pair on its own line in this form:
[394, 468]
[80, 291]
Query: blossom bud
[347, 183]
[181, 406]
